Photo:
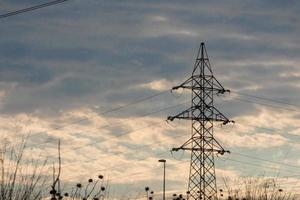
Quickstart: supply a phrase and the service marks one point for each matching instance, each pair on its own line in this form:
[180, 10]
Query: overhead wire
[145, 127]
[132, 103]
[125, 133]
[32, 8]
[265, 98]
[101, 113]
[261, 159]
[273, 130]
[138, 101]
[184, 162]
[265, 160]
[135, 173]
[266, 104]
[101, 141]
[248, 163]
[254, 164]
[230, 159]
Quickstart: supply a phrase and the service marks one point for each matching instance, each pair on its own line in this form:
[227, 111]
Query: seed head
[53, 191]
[100, 176]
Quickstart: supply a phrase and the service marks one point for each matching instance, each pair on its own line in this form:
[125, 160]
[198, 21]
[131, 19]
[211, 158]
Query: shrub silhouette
[20, 178]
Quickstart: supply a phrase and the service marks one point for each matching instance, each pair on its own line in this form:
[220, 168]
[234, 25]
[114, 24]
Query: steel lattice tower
[203, 114]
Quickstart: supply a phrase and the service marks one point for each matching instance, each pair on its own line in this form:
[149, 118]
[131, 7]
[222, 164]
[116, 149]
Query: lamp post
[164, 183]
[147, 192]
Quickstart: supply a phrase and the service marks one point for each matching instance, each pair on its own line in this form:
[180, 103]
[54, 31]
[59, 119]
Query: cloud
[158, 85]
[77, 60]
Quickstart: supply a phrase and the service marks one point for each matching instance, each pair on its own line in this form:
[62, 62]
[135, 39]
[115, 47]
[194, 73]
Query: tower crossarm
[187, 114]
[214, 85]
[188, 146]
[222, 152]
[219, 117]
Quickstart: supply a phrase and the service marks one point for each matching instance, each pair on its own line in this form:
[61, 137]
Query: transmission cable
[121, 135]
[105, 112]
[265, 98]
[17, 12]
[265, 160]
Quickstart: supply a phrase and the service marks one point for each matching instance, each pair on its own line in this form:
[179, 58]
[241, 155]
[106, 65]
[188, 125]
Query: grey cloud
[81, 54]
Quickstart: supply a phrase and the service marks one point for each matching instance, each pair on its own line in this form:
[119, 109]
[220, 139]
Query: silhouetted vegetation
[92, 189]
[21, 179]
[256, 189]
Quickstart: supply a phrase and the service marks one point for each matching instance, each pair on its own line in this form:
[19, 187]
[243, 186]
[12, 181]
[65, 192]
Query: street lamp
[164, 184]
[147, 191]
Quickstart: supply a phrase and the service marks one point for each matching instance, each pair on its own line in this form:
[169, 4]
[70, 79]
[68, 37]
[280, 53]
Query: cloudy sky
[96, 74]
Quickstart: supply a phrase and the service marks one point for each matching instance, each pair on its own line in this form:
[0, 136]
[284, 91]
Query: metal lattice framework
[203, 114]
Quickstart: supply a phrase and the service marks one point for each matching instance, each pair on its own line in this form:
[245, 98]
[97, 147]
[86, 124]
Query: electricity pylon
[203, 114]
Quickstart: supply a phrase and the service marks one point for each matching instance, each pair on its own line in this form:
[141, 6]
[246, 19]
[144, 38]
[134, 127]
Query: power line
[254, 164]
[147, 127]
[160, 93]
[294, 141]
[157, 94]
[152, 169]
[121, 107]
[130, 133]
[184, 162]
[267, 104]
[143, 146]
[266, 160]
[126, 133]
[265, 98]
[134, 102]
[142, 100]
[103, 113]
[123, 134]
[187, 161]
[36, 7]
[98, 142]
[145, 99]
[118, 108]
[263, 159]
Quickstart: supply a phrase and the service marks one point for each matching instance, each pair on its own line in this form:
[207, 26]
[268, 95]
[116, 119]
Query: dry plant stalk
[255, 189]
[21, 179]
